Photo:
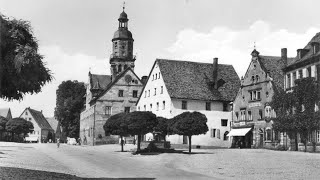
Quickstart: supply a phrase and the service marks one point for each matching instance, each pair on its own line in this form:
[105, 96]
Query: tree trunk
[1, 60]
[189, 144]
[138, 144]
[164, 138]
[296, 141]
[12, 136]
[121, 140]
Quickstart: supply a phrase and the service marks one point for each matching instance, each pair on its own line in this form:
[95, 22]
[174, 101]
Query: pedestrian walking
[58, 142]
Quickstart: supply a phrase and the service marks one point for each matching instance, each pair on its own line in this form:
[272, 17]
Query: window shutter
[218, 133]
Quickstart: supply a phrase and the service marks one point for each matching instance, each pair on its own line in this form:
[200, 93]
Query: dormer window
[301, 53]
[315, 47]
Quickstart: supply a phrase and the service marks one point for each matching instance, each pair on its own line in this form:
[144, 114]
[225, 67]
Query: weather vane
[254, 46]
[124, 3]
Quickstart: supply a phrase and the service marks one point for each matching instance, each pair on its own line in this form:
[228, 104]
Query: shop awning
[239, 132]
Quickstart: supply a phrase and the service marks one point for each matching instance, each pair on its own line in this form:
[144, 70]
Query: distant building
[6, 112]
[55, 124]
[305, 64]
[174, 87]
[41, 126]
[252, 113]
[111, 94]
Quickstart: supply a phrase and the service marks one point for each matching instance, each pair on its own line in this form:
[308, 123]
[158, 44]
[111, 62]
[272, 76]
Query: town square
[159, 89]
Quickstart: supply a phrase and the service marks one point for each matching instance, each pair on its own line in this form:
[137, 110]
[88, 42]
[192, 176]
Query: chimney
[215, 72]
[284, 55]
[144, 79]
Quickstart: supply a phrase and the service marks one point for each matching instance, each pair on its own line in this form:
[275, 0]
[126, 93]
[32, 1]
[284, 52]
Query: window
[288, 81]
[309, 71]
[155, 91]
[225, 137]
[218, 133]
[145, 94]
[120, 93]
[119, 68]
[150, 107]
[225, 106]
[156, 76]
[252, 79]
[255, 95]
[260, 114]
[269, 134]
[257, 78]
[161, 92]
[152, 77]
[237, 115]
[300, 74]
[163, 105]
[107, 110]
[126, 109]
[243, 115]
[148, 93]
[249, 115]
[157, 106]
[145, 108]
[213, 133]
[267, 112]
[224, 122]
[29, 119]
[26, 113]
[318, 136]
[159, 75]
[294, 77]
[135, 93]
[115, 44]
[208, 106]
[184, 104]
[138, 108]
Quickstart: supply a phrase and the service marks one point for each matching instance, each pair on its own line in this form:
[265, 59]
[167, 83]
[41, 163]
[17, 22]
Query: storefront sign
[255, 104]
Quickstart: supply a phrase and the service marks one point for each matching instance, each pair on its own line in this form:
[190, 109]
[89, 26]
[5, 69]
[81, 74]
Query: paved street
[106, 162]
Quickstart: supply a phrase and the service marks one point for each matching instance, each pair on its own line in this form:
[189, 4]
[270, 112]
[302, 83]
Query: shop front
[241, 137]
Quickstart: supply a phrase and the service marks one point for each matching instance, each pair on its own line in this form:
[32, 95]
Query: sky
[75, 35]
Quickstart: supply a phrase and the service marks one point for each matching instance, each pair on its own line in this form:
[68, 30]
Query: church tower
[122, 51]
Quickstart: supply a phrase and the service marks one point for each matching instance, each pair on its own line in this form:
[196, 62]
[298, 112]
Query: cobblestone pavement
[106, 161]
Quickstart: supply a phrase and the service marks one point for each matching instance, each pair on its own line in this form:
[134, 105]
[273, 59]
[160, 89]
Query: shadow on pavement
[20, 173]
[161, 151]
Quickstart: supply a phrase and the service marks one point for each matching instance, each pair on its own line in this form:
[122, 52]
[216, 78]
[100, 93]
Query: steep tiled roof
[274, 65]
[40, 119]
[101, 81]
[53, 122]
[193, 80]
[309, 54]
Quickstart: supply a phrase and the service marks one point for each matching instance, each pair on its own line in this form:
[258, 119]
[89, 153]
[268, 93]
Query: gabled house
[252, 125]
[174, 87]
[41, 126]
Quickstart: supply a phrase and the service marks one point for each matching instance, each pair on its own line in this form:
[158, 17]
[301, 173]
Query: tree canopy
[21, 68]
[69, 104]
[117, 125]
[163, 126]
[19, 126]
[140, 123]
[3, 122]
[295, 109]
[189, 124]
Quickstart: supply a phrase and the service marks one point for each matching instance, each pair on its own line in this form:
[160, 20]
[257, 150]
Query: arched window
[268, 134]
[225, 137]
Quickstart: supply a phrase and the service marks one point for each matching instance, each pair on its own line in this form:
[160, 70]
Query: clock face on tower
[128, 78]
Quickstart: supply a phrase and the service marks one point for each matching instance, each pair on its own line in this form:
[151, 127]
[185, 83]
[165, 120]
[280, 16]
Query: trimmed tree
[162, 127]
[189, 124]
[19, 126]
[117, 125]
[21, 68]
[3, 122]
[69, 104]
[140, 123]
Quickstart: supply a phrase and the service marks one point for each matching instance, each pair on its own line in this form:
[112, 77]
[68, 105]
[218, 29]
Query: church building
[107, 95]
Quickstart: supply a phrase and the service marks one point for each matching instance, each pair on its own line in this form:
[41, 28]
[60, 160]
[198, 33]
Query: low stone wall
[160, 145]
[310, 147]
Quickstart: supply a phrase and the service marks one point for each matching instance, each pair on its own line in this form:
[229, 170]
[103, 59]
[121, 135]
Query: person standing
[58, 142]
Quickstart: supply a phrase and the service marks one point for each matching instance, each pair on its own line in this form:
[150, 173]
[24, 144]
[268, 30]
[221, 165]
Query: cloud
[234, 46]
[64, 67]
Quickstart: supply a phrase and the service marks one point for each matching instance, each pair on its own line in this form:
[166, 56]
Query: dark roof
[113, 82]
[99, 81]
[191, 80]
[40, 119]
[274, 65]
[122, 33]
[309, 53]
